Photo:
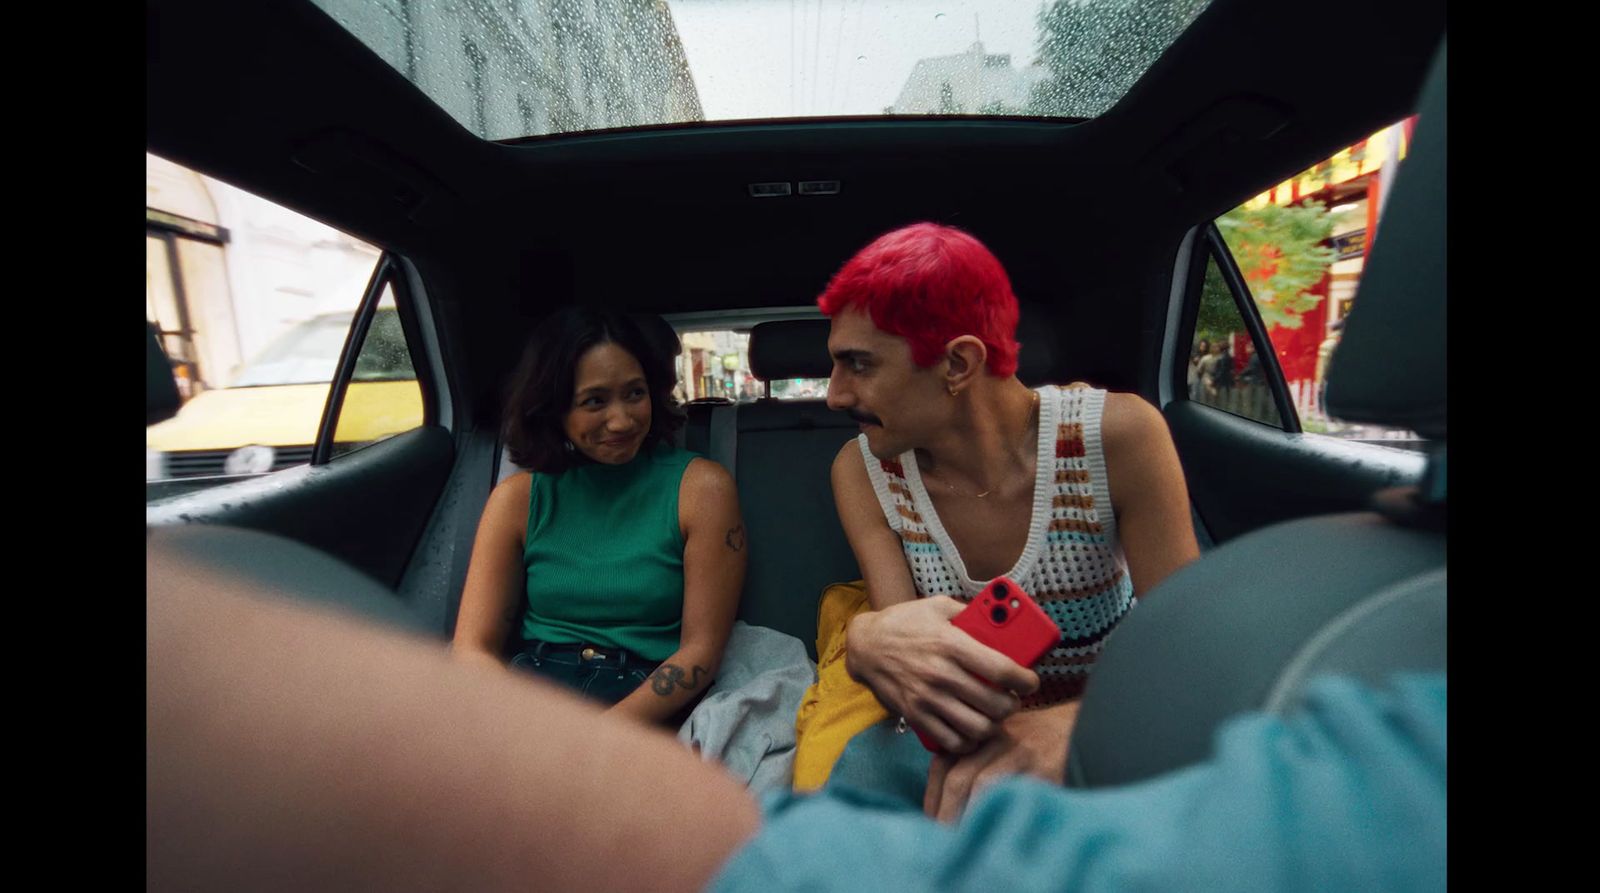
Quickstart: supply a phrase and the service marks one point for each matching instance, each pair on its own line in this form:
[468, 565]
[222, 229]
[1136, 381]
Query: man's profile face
[876, 383]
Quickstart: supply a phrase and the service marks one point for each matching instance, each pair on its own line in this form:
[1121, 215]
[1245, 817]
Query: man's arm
[876, 546]
[905, 650]
[1148, 493]
[1029, 742]
[1151, 503]
[1347, 793]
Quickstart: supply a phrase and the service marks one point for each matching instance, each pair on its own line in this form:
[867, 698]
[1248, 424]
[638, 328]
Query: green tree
[1218, 316]
[1280, 254]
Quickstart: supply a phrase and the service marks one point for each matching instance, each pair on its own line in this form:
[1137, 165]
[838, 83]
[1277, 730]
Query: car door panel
[1244, 475]
[368, 507]
[370, 503]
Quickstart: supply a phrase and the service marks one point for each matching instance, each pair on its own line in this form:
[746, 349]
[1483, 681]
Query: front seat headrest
[798, 348]
[1036, 363]
[1389, 367]
[790, 348]
[660, 333]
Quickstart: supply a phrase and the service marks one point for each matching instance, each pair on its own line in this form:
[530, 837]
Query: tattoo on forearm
[735, 538]
[669, 678]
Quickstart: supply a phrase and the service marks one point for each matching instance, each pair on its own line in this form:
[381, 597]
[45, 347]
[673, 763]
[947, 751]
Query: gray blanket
[746, 721]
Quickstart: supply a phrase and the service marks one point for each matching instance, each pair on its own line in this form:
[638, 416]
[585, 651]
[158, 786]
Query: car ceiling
[274, 97]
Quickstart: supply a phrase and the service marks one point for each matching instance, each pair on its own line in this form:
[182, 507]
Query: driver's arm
[295, 748]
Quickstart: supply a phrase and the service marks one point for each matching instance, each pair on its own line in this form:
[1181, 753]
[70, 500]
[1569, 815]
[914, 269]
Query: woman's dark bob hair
[542, 388]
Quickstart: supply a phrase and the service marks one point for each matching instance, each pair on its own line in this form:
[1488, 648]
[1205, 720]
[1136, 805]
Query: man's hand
[1032, 742]
[926, 670]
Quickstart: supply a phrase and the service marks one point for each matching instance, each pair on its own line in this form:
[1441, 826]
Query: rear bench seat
[782, 458]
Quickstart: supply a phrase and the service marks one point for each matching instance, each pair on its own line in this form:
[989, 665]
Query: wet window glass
[715, 365]
[254, 303]
[514, 68]
[1301, 247]
[1224, 370]
[384, 398]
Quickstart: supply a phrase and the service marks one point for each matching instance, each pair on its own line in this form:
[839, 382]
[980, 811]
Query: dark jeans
[607, 675]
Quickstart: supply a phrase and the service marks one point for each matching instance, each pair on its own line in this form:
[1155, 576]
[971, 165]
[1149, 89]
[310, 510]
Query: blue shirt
[1348, 793]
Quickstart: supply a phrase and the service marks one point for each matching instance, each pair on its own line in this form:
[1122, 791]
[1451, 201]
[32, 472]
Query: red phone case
[1007, 619]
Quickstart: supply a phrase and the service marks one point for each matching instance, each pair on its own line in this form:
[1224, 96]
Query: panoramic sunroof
[513, 68]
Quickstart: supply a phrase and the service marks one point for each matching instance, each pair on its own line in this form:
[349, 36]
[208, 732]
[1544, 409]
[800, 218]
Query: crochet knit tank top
[1072, 564]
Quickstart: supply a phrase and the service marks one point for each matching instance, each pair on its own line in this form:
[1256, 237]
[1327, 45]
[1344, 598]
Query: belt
[538, 649]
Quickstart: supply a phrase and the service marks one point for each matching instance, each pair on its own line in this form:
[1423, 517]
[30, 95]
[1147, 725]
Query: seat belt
[724, 437]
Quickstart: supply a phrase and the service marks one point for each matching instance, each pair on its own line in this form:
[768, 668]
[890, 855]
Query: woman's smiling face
[610, 413]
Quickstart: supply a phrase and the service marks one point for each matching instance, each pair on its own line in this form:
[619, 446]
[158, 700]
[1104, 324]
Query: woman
[618, 557]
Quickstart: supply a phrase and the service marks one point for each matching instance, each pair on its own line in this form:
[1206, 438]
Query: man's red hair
[930, 284]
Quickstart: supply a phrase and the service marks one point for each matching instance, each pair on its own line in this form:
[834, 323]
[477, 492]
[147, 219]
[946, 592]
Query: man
[962, 474]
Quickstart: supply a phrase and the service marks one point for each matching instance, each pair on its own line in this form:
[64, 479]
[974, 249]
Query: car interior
[1317, 554]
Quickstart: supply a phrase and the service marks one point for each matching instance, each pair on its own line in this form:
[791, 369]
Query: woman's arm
[495, 576]
[714, 555]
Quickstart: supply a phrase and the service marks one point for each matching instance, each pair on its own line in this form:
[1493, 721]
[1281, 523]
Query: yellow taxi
[266, 418]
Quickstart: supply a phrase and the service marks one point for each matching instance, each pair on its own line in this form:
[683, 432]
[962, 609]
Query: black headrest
[1389, 367]
[798, 348]
[1036, 364]
[161, 399]
[790, 348]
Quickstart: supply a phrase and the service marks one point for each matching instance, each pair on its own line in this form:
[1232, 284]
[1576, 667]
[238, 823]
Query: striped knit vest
[1072, 564]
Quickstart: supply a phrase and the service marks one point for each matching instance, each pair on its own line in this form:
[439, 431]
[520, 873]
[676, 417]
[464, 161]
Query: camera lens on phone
[999, 590]
[998, 614]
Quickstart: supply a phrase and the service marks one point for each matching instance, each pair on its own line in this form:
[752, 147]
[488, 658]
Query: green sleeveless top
[604, 555]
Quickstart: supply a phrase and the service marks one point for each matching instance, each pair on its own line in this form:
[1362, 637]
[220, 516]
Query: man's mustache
[863, 418]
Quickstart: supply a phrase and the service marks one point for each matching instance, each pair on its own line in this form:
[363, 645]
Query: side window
[715, 365]
[383, 397]
[254, 303]
[1300, 248]
[1224, 366]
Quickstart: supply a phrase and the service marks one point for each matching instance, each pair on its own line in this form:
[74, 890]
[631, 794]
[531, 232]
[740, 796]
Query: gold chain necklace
[1032, 409]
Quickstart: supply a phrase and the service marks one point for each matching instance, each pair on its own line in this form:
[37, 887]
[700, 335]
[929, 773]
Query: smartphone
[1007, 619]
